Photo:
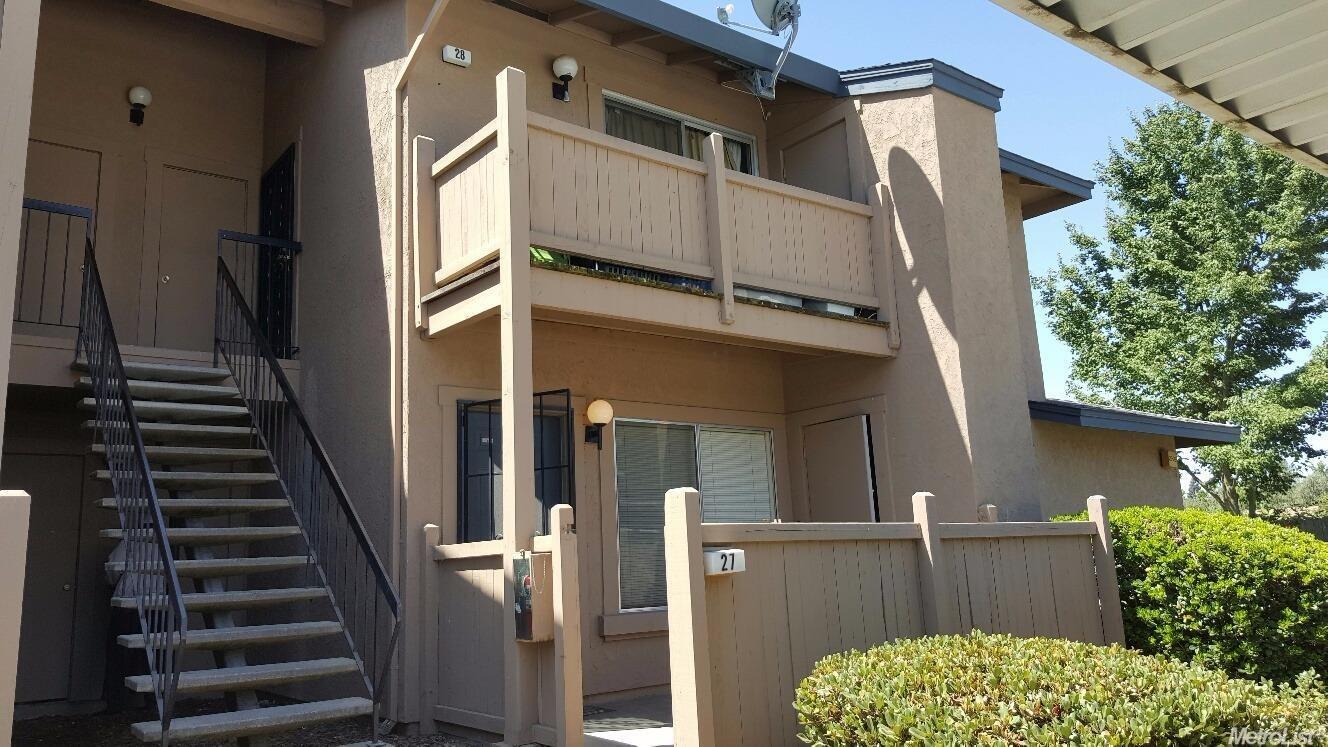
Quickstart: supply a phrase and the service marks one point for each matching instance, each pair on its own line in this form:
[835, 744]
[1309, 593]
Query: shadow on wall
[336, 101]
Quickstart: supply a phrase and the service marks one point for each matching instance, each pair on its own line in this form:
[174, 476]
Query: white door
[838, 466]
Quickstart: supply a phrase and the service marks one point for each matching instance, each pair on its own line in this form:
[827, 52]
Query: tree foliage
[1192, 305]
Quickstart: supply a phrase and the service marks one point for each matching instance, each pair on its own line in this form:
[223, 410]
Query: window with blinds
[737, 477]
[732, 467]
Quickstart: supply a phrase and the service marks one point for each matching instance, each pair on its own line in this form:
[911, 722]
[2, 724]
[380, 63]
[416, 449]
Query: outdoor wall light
[565, 68]
[139, 98]
[600, 414]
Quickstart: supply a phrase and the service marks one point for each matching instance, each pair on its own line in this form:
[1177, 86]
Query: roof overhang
[904, 76]
[1186, 432]
[1043, 189]
[1255, 65]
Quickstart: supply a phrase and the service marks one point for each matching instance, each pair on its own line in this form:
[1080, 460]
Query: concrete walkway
[644, 721]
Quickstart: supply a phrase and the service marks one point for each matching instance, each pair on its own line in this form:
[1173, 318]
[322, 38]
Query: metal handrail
[265, 273]
[149, 575]
[337, 541]
[41, 304]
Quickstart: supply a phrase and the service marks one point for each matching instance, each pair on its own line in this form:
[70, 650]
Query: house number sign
[724, 562]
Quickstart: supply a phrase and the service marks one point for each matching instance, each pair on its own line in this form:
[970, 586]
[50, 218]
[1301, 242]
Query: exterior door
[193, 206]
[46, 637]
[840, 481]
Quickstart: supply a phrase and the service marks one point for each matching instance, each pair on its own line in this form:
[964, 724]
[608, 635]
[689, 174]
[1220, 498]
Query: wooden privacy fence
[604, 198]
[464, 647]
[739, 643]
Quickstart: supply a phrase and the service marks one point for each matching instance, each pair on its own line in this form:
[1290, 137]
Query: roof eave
[720, 40]
[1187, 433]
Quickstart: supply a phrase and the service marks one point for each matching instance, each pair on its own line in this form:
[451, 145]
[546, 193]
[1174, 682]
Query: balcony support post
[718, 224]
[520, 517]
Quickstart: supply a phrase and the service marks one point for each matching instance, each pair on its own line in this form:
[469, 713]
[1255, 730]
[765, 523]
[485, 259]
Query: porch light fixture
[139, 99]
[600, 414]
[565, 68]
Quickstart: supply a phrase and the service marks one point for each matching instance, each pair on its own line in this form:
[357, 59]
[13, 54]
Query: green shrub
[998, 689]
[1229, 592]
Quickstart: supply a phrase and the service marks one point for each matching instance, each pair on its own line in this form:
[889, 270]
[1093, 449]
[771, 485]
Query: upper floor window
[674, 132]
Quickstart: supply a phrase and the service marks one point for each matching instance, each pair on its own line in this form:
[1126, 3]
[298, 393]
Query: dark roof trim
[720, 39]
[907, 76]
[1186, 432]
[1040, 173]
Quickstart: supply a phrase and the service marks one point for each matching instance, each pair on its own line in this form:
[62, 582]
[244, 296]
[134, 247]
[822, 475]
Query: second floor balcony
[624, 235]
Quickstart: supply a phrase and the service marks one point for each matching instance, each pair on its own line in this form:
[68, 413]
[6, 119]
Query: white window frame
[685, 121]
[696, 445]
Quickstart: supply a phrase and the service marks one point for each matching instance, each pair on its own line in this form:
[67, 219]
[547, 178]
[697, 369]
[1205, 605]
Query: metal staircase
[237, 539]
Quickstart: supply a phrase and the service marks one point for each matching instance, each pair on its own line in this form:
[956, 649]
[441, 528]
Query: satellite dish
[777, 16]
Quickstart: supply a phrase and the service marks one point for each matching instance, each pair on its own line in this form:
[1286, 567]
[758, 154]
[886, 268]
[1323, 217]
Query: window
[480, 446]
[732, 467]
[674, 133]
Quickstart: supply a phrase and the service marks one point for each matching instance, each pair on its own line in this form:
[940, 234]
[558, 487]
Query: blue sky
[1062, 106]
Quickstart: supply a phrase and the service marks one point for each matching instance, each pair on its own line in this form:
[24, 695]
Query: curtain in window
[737, 154]
[645, 128]
[652, 458]
[737, 478]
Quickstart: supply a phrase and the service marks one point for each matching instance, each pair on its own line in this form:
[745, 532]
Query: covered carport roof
[1260, 66]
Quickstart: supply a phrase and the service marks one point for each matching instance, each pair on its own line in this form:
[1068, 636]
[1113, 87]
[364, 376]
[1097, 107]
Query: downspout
[402, 285]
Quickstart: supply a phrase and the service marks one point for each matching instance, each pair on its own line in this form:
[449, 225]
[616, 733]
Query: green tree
[1192, 305]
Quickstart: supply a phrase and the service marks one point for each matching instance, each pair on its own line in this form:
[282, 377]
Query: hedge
[999, 689]
[1232, 593]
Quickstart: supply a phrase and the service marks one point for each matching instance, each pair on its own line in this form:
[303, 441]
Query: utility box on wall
[533, 575]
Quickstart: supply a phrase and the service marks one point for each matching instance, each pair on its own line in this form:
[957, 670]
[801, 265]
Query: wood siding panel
[470, 635]
[809, 248]
[468, 207]
[590, 196]
[796, 603]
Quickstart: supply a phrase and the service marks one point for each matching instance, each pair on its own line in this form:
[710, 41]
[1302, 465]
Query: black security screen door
[480, 457]
[275, 271]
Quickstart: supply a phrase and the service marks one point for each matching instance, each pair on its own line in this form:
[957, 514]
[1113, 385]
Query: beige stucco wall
[1125, 467]
[335, 101]
[1022, 288]
[13, 561]
[207, 111]
[643, 376]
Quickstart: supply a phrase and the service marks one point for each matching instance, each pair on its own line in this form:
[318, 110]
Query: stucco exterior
[943, 374]
[1128, 467]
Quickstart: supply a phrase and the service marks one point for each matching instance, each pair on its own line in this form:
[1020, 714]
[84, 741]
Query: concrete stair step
[201, 480]
[194, 454]
[253, 677]
[176, 506]
[223, 567]
[211, 535]
[246, 635]
[173, 391]
[175, 432]
[166, 371]
[234, 724]
[174, 411]
[236, 600]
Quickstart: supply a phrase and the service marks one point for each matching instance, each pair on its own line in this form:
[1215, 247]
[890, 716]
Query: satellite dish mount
[777, 15]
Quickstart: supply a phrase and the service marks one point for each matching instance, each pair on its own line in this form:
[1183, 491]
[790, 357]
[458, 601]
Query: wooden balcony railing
[594, 196]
